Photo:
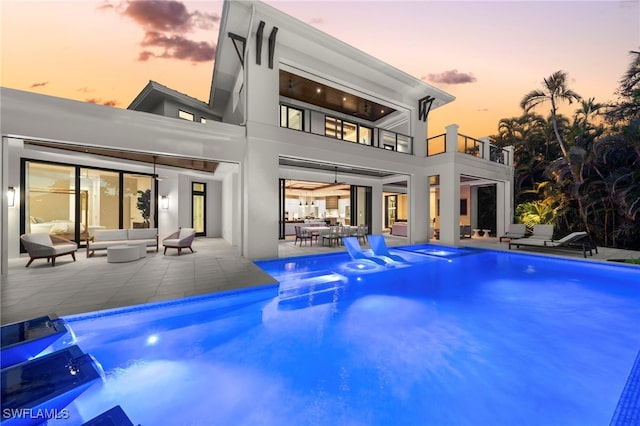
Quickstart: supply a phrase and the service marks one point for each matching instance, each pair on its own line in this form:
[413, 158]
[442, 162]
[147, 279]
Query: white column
[419, 136]
[4, 210]
[486, 148]
[502, 208]
[509, 161]
[474, 207]
[450, 206]
[418, 209]
[452, 138]
[260, 201]
[377, 204]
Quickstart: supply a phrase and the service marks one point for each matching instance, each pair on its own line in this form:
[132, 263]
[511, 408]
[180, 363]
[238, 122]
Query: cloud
[111, 103]
[166, 24]
[316, 21]
[175, 46]
[451, 77]
[85, 89]
[167, 16]
[39, 84]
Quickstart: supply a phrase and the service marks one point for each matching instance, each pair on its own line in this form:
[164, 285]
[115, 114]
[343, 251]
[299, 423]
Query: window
[333, 127]
[349, 132]
[404, 144]
[291, 118]
[203, 120]
[388, 140]
[185, 115]
[366, 135]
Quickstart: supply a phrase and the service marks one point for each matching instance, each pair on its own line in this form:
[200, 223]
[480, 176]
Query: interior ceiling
[178, 162]
[303, 185]
[314, 93]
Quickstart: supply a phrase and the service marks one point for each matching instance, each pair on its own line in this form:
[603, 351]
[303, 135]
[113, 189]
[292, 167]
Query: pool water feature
[464, 337]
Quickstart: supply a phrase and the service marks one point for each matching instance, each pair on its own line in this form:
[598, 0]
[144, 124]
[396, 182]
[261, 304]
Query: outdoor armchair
[45, 246]
[183, 238]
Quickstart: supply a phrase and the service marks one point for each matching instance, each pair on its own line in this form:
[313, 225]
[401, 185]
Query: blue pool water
[453, 337]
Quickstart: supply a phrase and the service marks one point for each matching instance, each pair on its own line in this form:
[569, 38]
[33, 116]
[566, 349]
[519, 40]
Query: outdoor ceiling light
[11, 196]
[164, 202]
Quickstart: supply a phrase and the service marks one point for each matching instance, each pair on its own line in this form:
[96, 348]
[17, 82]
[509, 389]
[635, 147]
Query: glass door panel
[50, 204]
[99, 199]
[138, 202]
[198, 206]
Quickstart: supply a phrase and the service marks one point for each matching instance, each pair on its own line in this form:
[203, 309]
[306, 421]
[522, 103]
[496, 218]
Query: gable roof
[154, 93]
[303, 47]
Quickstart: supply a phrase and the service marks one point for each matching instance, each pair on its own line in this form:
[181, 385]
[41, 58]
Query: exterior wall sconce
[164, 202]
[11, 196]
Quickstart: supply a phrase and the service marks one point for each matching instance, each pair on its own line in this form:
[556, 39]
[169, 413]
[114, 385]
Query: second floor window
[185, 115]
[347, 131]
[291, 118]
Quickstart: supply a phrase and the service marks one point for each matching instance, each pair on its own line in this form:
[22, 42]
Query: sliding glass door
[71, 201]
[361, 206]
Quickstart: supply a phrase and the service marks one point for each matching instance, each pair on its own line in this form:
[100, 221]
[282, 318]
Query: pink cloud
[176, 46]
[165, 24]
[168, 16]
[451, 77]
[111, 102]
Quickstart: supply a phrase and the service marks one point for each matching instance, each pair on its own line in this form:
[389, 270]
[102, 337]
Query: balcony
[344, 129]
[479, 148]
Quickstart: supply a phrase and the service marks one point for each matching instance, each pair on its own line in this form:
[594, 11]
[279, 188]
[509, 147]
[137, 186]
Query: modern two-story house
[299, 125]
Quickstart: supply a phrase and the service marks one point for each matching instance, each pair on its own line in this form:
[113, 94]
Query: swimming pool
[454, 337]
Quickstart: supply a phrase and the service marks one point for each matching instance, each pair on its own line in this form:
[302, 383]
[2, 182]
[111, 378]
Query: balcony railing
[498, 155]
[344, 129]
[468, 145]
[437, 145]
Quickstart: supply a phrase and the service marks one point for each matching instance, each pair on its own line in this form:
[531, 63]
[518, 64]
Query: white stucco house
[299, 125]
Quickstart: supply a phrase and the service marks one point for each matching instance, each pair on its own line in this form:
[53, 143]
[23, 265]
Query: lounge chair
[575, 240]
[180, 239]
[379, 248]
[516, 230]
[45, 246]
[542, 232]
[355, 251]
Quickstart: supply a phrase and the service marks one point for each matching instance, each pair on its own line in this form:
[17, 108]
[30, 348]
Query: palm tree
[556, 91]
[628, 106]
[587, 110]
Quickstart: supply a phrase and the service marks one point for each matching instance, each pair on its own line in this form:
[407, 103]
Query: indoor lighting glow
[11, 196]
[164, 202]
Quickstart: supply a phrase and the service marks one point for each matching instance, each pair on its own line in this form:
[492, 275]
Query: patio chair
[379, 248]
[183, 238]
[302, 235]
[575, 240]
[361, 232]
[355, 251]
[516, 230]
[333, 236]
[45, 246]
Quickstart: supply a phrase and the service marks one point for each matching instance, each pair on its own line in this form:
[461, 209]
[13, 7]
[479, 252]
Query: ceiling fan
[365, 112]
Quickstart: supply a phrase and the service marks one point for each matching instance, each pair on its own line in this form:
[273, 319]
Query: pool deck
[93, 284]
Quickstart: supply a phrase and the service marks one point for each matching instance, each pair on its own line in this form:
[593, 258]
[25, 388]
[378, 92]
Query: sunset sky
[487, 54]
